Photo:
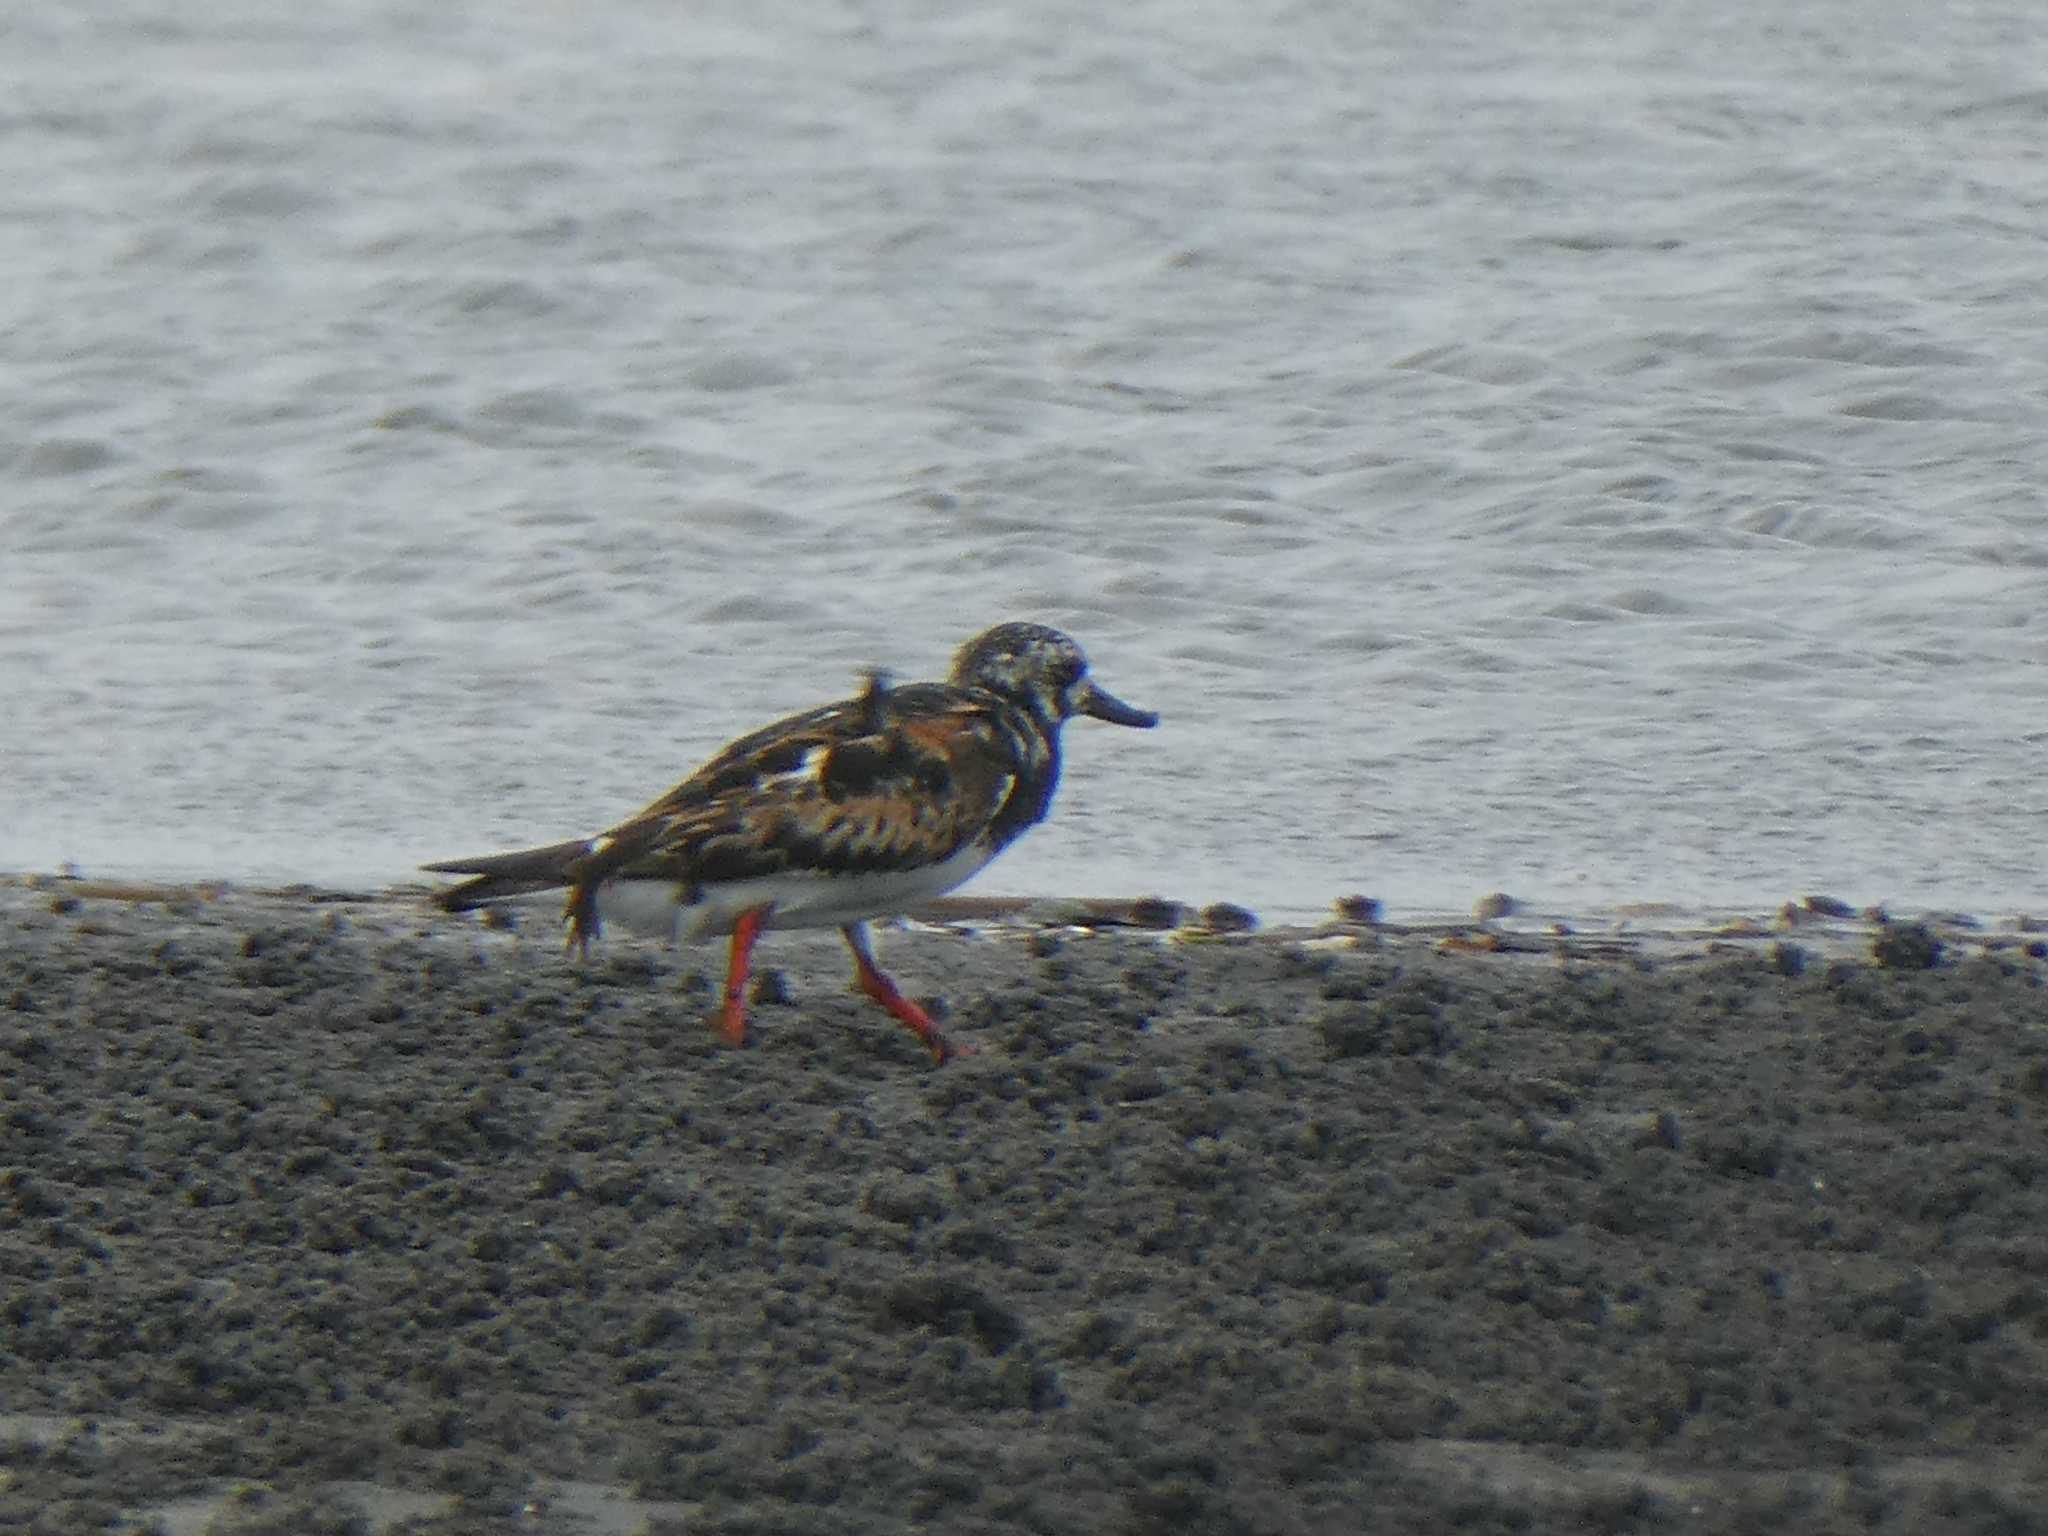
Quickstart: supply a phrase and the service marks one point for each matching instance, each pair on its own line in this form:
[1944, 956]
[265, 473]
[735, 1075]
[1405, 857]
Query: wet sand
[338, 1216]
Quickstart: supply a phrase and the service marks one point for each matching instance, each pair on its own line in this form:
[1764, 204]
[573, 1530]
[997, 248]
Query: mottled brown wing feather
[893, 779]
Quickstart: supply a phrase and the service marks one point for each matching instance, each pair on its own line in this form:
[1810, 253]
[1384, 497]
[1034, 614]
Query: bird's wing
[896, 778]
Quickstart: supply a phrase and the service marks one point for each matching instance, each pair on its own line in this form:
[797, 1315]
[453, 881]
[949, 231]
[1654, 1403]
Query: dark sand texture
[316, 1220]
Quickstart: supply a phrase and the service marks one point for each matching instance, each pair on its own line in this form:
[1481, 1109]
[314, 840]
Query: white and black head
[1043, 672]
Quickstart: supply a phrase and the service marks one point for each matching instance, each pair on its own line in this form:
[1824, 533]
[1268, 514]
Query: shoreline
[1496, 922]
[322, 1205]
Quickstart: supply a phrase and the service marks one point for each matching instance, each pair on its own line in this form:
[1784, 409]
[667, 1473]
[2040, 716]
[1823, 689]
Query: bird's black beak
[1087, 699]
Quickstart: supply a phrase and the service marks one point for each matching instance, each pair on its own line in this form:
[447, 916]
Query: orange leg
[884, 991]
[732, 1018]
[580, 913]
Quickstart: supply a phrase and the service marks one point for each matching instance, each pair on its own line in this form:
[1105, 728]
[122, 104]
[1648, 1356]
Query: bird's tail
[503, 875]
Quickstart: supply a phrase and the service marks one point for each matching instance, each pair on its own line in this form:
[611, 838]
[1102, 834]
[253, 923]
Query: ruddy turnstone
[848, 812]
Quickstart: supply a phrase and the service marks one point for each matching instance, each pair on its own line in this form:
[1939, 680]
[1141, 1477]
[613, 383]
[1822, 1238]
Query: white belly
[653, 909]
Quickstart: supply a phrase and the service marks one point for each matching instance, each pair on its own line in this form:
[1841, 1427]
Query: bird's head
[1043, 672]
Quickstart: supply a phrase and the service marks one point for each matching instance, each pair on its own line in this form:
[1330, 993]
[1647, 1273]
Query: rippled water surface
[1593, 450]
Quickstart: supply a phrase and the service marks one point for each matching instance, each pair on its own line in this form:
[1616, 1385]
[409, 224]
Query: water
[1590, 450]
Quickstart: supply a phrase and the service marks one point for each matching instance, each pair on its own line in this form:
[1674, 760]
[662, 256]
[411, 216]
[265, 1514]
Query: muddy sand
[326, 1217]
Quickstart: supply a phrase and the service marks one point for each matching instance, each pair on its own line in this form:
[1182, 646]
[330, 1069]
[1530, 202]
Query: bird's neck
[1035, 766]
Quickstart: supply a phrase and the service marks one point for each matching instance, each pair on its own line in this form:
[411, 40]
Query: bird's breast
[796, 898]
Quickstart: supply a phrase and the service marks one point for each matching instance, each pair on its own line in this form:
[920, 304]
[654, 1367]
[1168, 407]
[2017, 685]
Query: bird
[838, 815]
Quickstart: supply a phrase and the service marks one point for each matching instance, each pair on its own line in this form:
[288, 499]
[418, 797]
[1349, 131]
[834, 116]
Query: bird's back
[891, 780]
